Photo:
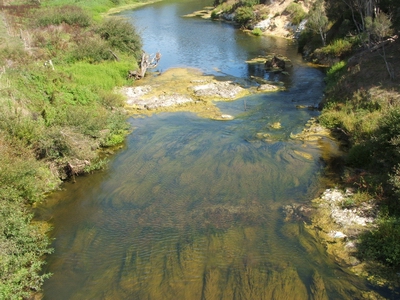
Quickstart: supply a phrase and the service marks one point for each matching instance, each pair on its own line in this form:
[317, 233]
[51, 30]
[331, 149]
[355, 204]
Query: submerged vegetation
[61, 61]
[357, 41]
[60, 64]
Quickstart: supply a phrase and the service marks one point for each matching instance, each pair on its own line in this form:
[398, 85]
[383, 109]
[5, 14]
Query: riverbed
[191, 207]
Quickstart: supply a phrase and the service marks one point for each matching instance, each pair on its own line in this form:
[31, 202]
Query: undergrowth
[362, 105]
[57, 107]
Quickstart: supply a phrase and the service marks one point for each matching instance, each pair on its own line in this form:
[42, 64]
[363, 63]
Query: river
[191, 208]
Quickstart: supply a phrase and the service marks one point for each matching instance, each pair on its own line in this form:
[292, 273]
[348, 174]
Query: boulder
[275, 63]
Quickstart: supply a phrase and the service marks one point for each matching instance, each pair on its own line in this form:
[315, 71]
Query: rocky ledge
[335, 224]
[188, 90]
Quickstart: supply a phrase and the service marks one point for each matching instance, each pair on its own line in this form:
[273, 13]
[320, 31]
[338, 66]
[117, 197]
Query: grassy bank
[362, 106]
[60, 64]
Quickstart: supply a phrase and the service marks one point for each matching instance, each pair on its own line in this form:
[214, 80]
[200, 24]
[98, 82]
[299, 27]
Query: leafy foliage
[317, 20]
[22, 242]
[244, 15]
[256, 31]
[338, 48]
[54, 114]
[382, 244]
[120, 35]
[297, 13]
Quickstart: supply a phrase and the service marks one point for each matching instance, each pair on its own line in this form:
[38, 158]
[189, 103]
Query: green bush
[382, 244]
[244, 15]
[69, 14]
[297, 13]
[214, 15]
[359, 156]
[334, 74]
[338, 48]
[120, 35]
[257, 31]
[93, 50]
[111, 100]
[388, 136]
[22, 242]
[248, 3]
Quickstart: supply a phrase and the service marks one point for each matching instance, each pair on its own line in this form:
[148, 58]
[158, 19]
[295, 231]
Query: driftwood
[147, 62]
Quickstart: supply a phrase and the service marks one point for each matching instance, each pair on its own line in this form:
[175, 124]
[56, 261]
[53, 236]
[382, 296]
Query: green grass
[95, 8]
[257, 32]
[338, 48]
[108, 74]
[362, 104]
[51, 117]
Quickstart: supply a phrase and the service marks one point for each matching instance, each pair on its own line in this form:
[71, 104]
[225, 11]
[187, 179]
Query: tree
[364, 9]
[380, 28]
[318, 21]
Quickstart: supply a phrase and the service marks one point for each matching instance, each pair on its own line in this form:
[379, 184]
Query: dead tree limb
[147, 62]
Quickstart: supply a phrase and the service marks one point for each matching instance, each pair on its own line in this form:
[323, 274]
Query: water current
[191, 208]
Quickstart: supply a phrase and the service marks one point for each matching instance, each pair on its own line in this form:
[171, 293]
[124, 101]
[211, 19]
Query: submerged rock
[223, 89]
[275, 63]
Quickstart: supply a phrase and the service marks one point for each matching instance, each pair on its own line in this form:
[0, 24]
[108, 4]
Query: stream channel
[191, 208]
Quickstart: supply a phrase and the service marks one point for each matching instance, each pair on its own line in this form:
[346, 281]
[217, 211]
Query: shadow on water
[191, 208]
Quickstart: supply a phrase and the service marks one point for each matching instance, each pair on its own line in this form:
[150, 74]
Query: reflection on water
[191, 208]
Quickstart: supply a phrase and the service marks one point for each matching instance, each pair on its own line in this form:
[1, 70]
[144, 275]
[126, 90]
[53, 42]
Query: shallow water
[191, 208]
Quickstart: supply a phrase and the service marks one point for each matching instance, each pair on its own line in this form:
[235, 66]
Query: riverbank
[58, 113]
[280, 19]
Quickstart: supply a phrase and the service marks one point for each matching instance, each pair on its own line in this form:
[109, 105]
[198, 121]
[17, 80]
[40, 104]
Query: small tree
[243, 15]
[318, 21]
[379, 28]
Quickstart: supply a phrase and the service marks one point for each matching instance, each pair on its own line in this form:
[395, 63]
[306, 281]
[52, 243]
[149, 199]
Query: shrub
[22, 242]
[338, 48]
[244, 15]
[69, 14]
[121, 35]
[297, 14]
[382, 244]
[214, 15]
[93, 50]
[334, 73]
[359, 156]
[257, 31]
[111, 100]
[248, 3]
[388, 136]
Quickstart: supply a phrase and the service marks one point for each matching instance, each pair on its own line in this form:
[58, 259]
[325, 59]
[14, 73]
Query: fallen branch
[384, 43]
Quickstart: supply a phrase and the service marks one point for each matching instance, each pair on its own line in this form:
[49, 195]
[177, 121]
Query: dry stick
[113, 54]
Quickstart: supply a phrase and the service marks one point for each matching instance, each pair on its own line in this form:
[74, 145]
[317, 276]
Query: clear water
[191, 208]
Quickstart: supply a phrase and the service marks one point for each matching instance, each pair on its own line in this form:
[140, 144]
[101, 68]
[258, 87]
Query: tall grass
[338, 48]
[108, 75]
[94, 8]
[51, 117]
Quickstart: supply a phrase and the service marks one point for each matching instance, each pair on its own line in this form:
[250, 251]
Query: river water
[191, 208]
